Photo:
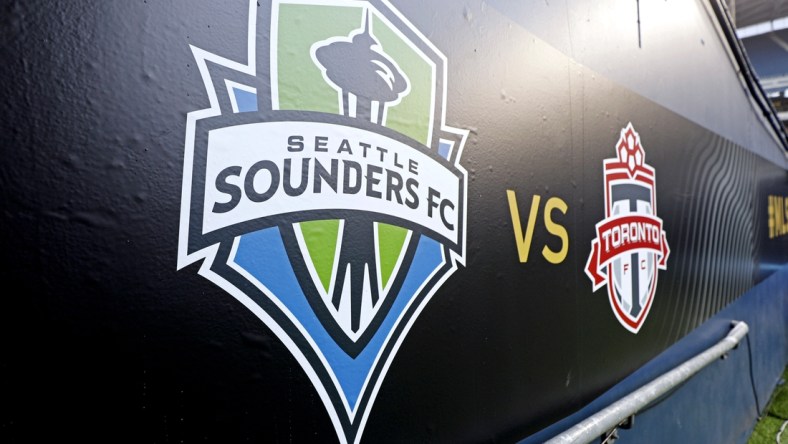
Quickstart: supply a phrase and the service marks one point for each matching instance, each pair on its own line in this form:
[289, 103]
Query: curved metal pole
[610, 417]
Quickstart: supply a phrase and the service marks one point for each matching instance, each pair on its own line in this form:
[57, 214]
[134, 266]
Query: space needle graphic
[367, 79]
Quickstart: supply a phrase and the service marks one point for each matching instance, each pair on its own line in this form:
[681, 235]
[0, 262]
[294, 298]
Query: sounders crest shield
[630, 245]
[323, 190]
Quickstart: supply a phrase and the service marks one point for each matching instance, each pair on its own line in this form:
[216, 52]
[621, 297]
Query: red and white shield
[630, 244]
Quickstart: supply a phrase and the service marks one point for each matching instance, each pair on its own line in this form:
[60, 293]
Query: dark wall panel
[119, 327]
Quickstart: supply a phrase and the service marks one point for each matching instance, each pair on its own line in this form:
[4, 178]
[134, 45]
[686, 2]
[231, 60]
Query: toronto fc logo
[630, 243]
[323, 189]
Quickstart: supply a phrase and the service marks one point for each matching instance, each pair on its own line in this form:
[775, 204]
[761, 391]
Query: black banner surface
[319, 221]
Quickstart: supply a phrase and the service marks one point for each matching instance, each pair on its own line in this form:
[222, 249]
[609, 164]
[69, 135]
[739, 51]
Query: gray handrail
[610, 417]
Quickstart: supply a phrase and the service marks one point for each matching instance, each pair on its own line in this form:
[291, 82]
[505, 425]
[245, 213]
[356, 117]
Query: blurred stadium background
[762, 27]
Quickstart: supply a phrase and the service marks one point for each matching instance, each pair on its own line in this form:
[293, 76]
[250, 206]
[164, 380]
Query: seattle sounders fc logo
[323, 190]
[630, 245]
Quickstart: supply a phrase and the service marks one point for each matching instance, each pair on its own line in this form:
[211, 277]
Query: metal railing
[617, 413]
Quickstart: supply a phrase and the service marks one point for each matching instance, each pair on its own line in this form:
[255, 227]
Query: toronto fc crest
[630, 244]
